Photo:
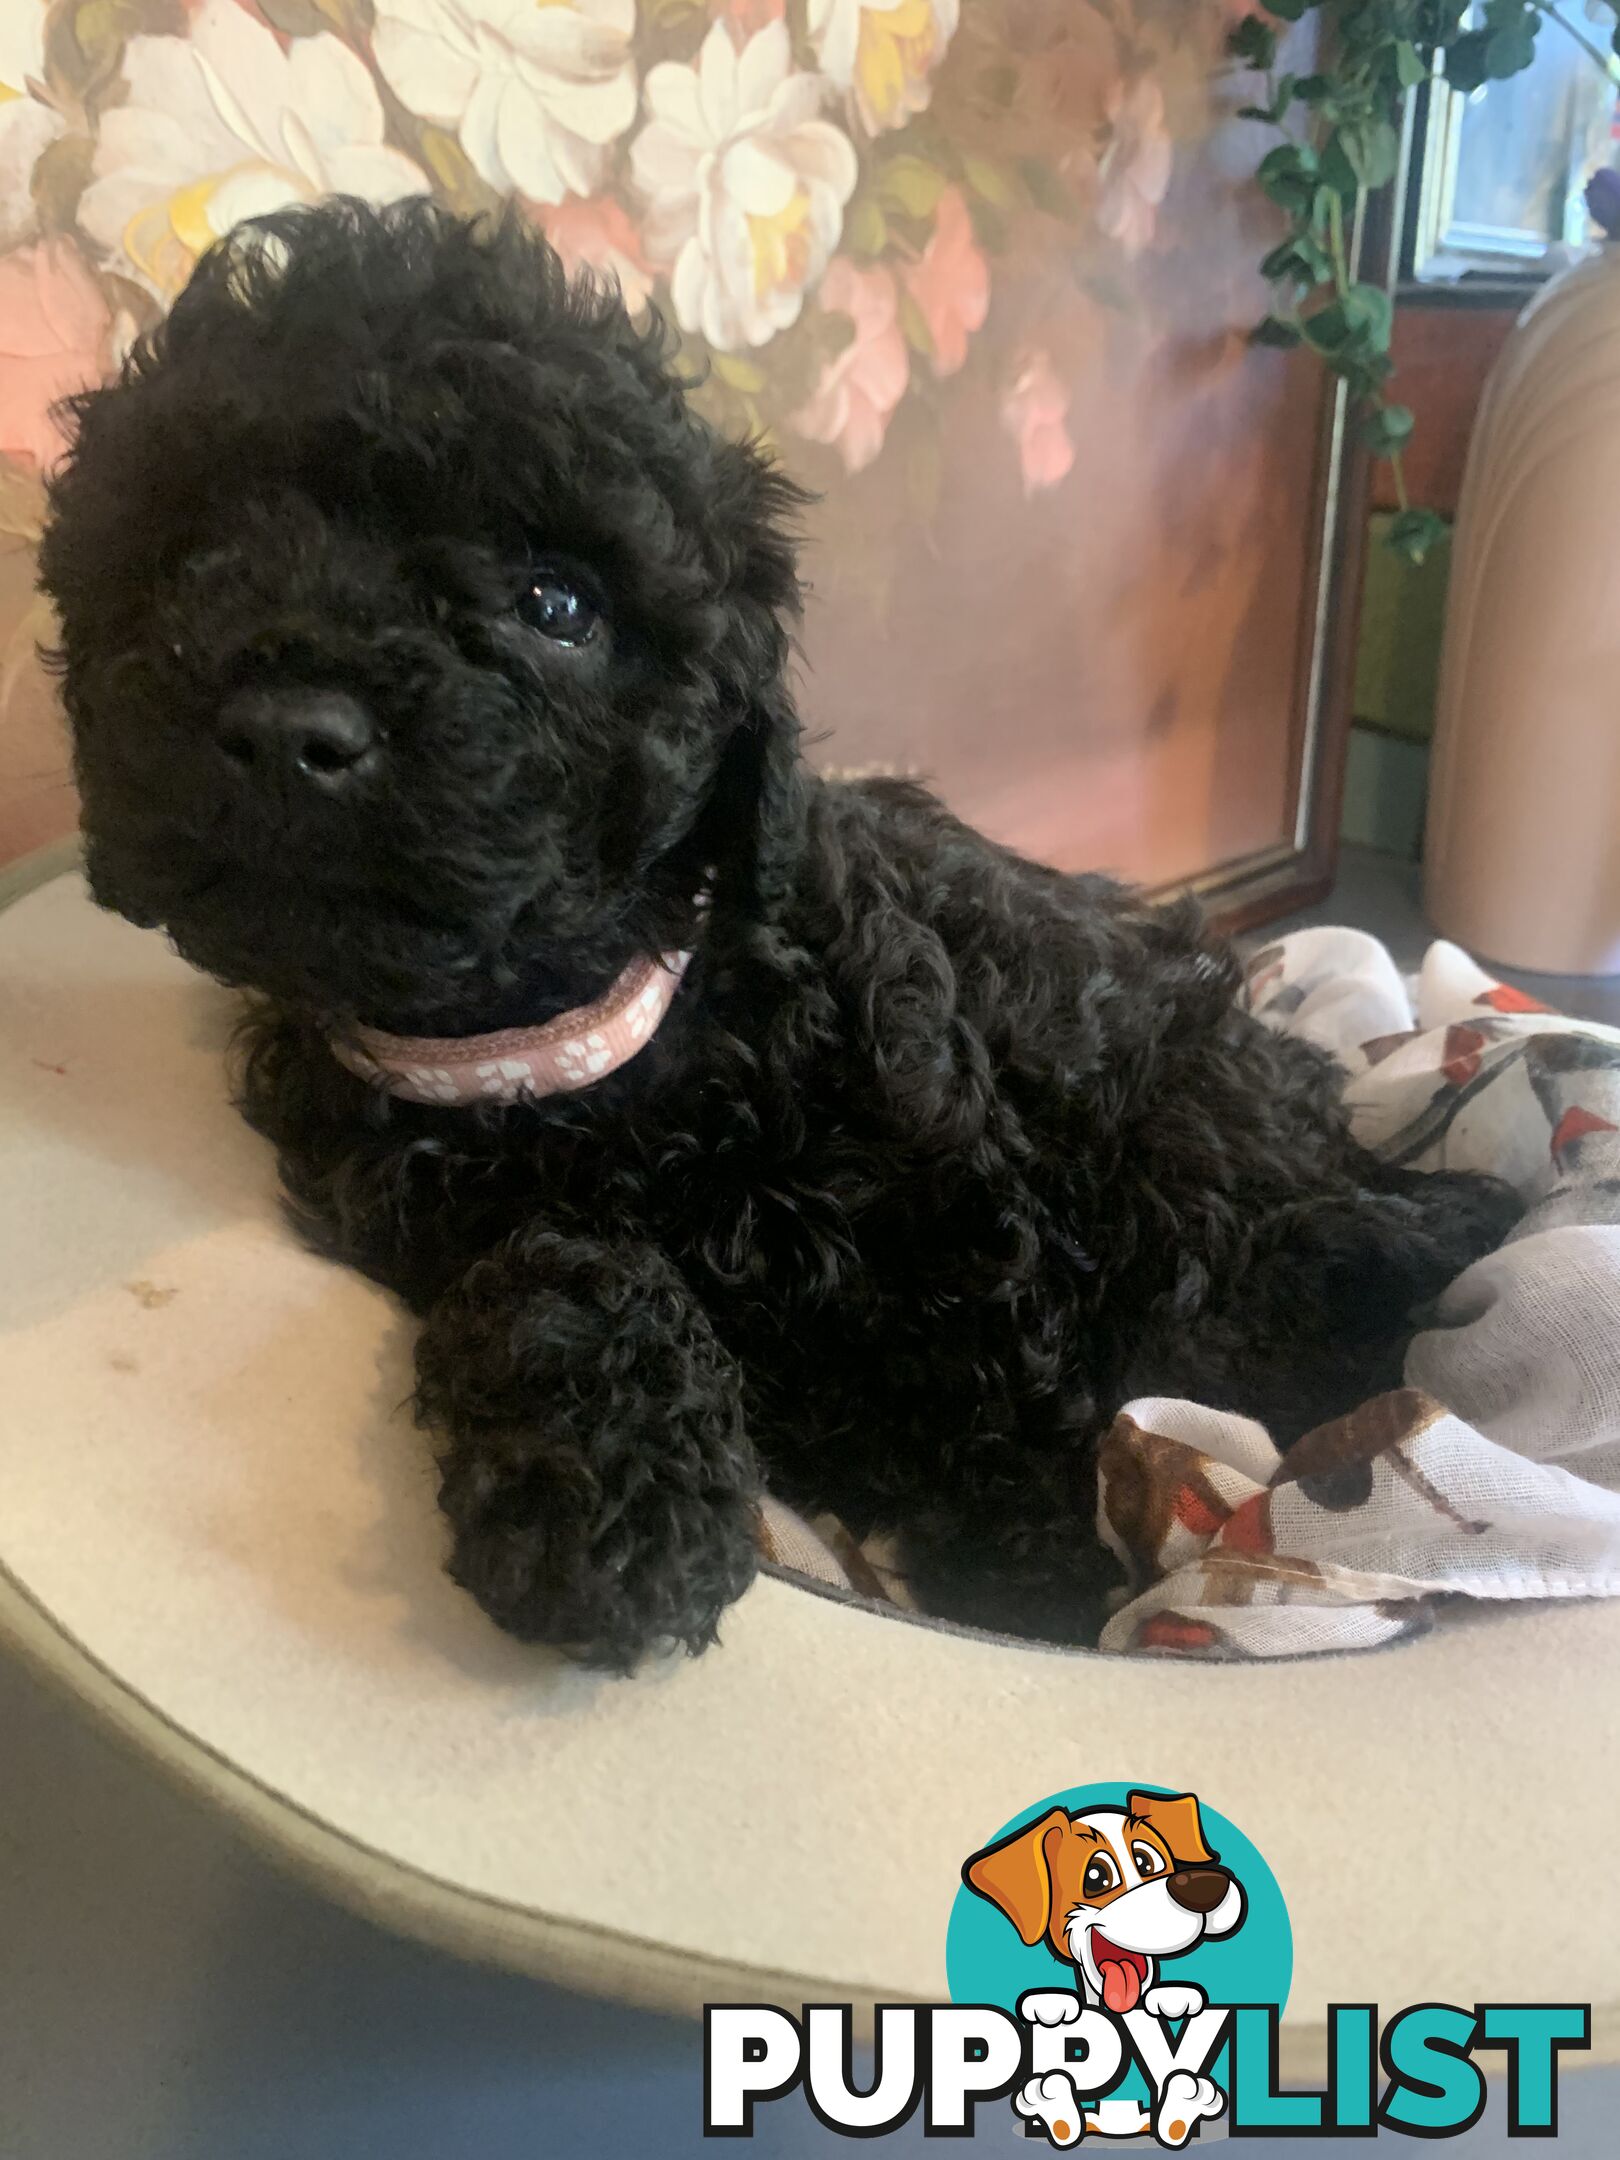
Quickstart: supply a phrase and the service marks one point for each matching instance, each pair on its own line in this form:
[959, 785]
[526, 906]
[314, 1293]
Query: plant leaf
[1288, 175]
[1374, 150]
[1386, 428]
[1253, 42]
[1412, 533]
[1467, 68]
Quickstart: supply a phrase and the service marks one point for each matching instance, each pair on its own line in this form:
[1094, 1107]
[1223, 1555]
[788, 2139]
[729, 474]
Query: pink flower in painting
[1035, 413]
[951, 284]
[54, 327]
[597, 233]
[747, 16]
[1135, 169]
[862, 385]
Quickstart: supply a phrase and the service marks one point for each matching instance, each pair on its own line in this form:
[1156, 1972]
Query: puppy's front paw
[1185, 2102]
[1174, 2000]
[1049, 2006]
[1052, 2102]
[606, 1586]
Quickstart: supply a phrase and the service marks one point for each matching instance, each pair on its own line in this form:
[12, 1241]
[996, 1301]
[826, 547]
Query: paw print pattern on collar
[569, 1052]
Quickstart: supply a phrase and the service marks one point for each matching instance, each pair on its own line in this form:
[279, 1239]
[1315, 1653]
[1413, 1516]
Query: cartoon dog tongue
[1120, 1975]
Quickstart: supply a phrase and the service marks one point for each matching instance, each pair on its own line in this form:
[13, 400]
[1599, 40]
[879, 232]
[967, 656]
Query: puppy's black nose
[1198, 1889]
[312, 737]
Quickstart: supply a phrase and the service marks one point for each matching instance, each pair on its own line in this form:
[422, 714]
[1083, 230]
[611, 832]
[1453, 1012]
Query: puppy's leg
[1021, 1558]
[1335, 1287]
[594, 1467]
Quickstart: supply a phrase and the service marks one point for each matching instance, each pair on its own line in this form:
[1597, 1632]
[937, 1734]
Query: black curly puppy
[426, 658]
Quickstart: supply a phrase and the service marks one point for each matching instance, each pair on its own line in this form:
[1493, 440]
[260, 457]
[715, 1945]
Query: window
[1499, 175]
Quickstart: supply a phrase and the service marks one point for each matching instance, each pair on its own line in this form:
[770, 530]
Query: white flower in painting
[746, 185]
[27, 127]
[882, 52]
[224, 125]
[537, 90]
[1135, 170]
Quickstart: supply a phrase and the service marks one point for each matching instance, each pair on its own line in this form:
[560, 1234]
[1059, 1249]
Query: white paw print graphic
[1184, 2103]
[1053, 2102]
[643, 1014]
[582, 1059]
[500, 1076]
[436, 1082]
[1172, 2000]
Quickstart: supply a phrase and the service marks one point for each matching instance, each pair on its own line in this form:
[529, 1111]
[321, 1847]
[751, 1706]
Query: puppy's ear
[1176, 1818]
[761, 793]
[1016, 1875]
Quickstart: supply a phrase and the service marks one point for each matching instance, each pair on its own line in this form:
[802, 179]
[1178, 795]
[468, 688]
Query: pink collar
[567, 1053]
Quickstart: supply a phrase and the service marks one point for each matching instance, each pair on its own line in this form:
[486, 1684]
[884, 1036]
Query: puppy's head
[1112, 1890]
[423, 651]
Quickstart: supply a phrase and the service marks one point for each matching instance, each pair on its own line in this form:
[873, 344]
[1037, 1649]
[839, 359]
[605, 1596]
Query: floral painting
[974, 269]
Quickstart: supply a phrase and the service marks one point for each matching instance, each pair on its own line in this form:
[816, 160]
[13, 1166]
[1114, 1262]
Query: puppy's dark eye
[560, 609]
[1100, 1877]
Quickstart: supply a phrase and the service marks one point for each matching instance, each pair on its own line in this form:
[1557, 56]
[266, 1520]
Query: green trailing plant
[1340, 130]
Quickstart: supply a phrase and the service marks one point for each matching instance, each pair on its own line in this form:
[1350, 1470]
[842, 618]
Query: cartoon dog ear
[1016, 1875]
[1175, 1817]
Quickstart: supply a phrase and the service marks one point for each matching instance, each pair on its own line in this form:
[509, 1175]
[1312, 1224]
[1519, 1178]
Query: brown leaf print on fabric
[1150, 1485]
[1333, 1466]
[1404, 1467]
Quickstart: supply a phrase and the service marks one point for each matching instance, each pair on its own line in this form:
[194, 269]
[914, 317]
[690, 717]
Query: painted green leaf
[988, 180]
[914, 325]
[911, 186]
[866, 229]
[1046, 189]
[740, 374]
[999, 85]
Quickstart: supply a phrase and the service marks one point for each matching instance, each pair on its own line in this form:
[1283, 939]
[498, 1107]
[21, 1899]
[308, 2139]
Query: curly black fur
[939, 1155]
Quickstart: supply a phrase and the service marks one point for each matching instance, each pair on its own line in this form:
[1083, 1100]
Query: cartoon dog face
[1112, 1890]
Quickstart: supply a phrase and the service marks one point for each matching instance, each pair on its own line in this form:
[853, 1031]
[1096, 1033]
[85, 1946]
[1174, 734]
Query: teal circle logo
[987, 1959]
